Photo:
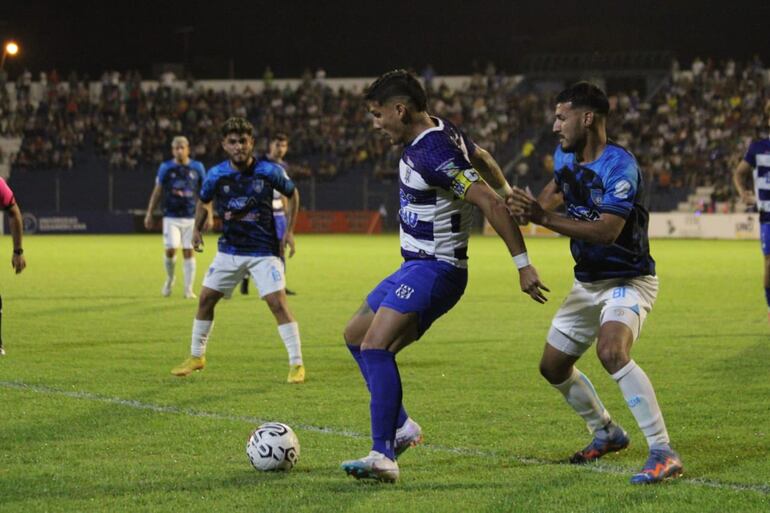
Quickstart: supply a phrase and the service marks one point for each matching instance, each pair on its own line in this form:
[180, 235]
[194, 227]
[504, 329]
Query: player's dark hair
[280, 136]
[587, 95]
[237, 126]
[397, 83]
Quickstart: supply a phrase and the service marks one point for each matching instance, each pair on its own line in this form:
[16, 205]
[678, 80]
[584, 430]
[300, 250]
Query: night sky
[365, 38]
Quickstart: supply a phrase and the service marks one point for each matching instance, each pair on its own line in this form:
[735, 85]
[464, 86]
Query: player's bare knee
[612, 354]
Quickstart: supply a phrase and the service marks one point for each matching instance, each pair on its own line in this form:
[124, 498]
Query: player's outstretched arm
[16, 224]
[741, 173]
[154, 198]
[490, 171]
[601, 231]
[494, 209]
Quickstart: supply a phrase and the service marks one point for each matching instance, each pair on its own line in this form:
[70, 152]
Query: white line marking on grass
[158, 408]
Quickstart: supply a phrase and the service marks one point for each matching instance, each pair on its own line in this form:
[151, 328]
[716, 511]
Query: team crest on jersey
[192, 174]
[409, 218]
[226, 189]
[258, 185]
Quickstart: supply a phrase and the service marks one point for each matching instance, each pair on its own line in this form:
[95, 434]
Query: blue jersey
[611, 184]
[244, 200]
[758, 157]
[180, 184]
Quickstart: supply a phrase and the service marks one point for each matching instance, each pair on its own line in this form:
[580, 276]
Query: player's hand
[523, 204]
[197, 241]
[288, 240]
[148, 221]
[18, 263]
[531, 284]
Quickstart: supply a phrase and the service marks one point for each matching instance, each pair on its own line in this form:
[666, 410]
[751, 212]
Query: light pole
[9, 48]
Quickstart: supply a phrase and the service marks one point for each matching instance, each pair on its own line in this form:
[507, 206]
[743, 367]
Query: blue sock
[356, 352]
[385, 387]
[767, 296]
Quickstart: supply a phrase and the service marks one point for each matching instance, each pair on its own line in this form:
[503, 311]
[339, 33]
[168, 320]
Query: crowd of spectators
[690, 132]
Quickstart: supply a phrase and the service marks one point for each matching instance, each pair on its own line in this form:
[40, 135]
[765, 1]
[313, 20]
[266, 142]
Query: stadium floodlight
[9, 48]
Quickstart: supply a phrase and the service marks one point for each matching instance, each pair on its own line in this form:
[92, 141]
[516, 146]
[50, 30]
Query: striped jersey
[277, 201]
[758, 157]
[434, 175]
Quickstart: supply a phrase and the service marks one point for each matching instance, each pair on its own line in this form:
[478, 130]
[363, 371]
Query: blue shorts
[428, 288]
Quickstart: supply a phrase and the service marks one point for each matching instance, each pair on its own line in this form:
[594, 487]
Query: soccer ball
[273, 446]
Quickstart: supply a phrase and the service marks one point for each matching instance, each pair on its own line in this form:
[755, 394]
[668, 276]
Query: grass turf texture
[92, 420]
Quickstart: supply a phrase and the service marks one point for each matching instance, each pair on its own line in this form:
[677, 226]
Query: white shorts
[227, 271]
[178, 231]
[589, 305]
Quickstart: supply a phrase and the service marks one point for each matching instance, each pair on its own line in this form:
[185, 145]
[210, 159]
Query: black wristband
[18, 251]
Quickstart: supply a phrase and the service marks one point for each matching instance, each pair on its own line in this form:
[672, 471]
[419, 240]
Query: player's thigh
[186, 233]
[391, 330]
[267, 274]
[172, 233]
[225, 272]
[628, 303]
[358, 325]
[576, 324]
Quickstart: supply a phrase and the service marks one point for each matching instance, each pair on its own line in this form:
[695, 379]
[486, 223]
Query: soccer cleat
[192, 364]
[2, 351]
[662, 464]
[290, 292]
[375, 466]
[166, 290]
[245, 286]
[189, 294]
[408, 435]
[617, 441]
[296, 374]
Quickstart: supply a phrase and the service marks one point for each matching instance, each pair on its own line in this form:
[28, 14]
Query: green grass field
[91, 419]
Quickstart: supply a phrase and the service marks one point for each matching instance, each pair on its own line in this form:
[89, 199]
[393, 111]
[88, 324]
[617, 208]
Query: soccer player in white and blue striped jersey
[756, 163]
[438, 187]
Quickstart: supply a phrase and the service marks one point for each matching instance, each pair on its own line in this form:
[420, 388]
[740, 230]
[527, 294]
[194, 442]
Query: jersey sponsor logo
[471, 175]
[408, 218]
[449, 167]
[622, 189]
[580, 212]
[407, 175]
[404, 291]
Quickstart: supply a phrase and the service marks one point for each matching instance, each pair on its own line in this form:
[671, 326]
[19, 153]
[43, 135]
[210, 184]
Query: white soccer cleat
[374, 466]
[166, 290]
[408, 435]
[189, 294]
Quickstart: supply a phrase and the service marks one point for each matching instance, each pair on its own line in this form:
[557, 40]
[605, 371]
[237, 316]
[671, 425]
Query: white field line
[254, 421]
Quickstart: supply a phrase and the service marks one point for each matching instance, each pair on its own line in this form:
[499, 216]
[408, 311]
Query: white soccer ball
[273, 446]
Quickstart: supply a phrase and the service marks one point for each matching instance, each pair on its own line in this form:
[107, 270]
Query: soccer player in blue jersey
[178, 182]
[615, 286]
[439, 184]
[279, 146]
[756, 163]
[242, 188]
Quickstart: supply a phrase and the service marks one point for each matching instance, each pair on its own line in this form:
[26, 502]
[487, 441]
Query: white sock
[189, 272]
[170, 264]
[581, 395]
[640, 397]
[200, 336]
[290, 335]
